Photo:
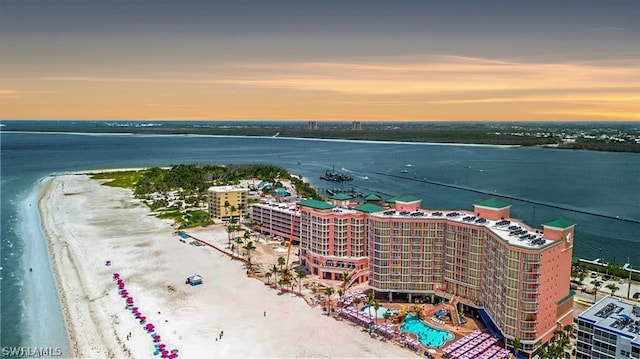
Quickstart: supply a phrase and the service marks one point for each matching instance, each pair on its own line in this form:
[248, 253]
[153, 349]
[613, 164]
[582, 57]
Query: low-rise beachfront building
[610, 329]
[226, 202]
[278, 220]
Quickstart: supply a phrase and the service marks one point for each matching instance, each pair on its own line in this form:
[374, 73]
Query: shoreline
[86, 224]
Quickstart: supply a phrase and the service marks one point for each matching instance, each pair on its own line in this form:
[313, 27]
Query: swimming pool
[379, 314]
[429, 336]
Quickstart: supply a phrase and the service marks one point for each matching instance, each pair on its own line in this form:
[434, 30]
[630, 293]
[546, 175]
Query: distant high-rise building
[356, 125]
[313, 125]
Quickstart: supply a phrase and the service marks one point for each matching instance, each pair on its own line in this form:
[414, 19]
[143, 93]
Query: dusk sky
[324, 60]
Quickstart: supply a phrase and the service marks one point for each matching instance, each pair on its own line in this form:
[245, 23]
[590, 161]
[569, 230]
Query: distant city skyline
[575, 60]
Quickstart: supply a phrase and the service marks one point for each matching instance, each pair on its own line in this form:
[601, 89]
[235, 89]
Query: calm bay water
[599, 191]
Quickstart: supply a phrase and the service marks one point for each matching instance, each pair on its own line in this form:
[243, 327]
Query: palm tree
[238, 242]
[369, 301]
[300, 275]
[569, 328]
[281, 262]
[268, 275]
[329, 291]
[274, 270]
[356, 301]
[248, 248]
[613, 288]
[226, 208]
[386, 315]
[516, 343]
[241, 207]
[233, 210]
[286, 275]
[229, 228]
[596, 284]
[376, 306]
[345, 279]
[340, 293]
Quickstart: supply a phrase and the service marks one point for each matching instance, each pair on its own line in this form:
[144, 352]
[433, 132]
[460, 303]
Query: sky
[569, 60]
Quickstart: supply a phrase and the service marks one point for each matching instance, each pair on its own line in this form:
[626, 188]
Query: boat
[405, 171]
[332, 175]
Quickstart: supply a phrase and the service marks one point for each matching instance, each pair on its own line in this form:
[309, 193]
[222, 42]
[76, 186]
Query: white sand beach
[87, 224]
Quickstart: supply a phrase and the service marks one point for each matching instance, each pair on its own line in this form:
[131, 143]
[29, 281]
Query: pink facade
[483, 258]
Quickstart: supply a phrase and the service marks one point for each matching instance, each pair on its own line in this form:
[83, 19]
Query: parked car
[594, 275]
[606, 277]
[620, 281]
[636, 295]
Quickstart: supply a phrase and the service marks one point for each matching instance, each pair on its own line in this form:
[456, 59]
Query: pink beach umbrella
[138, 315]
[162, 346]
[156, 338]
[149, 326]
[116, 275]
[165, 353]
[129, 299]
[135, 309]
[143, 319]
[171, 356]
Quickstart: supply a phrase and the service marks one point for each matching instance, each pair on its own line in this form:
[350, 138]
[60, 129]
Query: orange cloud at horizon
[429, 88]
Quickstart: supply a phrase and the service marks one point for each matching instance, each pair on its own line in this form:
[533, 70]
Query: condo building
[516, 277]
[610, 329]
[279, 220]
[226, 202]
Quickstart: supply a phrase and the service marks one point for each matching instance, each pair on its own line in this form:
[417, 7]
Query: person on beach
[265, 314]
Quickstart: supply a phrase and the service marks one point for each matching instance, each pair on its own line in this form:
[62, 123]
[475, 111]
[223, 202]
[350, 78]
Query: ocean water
[599, 191]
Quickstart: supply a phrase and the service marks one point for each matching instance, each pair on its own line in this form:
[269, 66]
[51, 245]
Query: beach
[87, 224]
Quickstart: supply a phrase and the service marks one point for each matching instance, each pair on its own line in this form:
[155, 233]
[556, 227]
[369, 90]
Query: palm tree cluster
[555, 348]
[286, 278]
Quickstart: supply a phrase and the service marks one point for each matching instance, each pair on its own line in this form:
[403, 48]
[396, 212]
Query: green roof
[571, 294]
[493, 203]
[372, 197]
[369, 208]
[560, 223]
[312, 203]
[391, 200]
[407, 199]
[341, 196]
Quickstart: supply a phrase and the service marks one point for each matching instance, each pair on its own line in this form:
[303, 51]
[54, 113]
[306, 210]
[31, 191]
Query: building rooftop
[228, 189]
[559, 223]
[312, 203]
[341, 197]
[511, 231]
[372, 197]
[369, 208]
[493, 203]
[617, 316]
[405, 199]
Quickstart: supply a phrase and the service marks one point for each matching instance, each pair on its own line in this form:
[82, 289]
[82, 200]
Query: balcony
[532, 288]
[529, 307]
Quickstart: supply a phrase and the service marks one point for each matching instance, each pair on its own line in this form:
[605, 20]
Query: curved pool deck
[427, 335]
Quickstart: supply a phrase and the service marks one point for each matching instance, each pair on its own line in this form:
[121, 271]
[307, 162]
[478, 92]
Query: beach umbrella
[174, 351]
[165, 353]
[143, 319]
[156, 338]
[135, 309]
[138, 315]
[149, 326]
[162, 346]
[171, 356]
[116, 275]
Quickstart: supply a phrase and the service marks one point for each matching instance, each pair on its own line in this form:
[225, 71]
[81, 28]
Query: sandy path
[87, 224]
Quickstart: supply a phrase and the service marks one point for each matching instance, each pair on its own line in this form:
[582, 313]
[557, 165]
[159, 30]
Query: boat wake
[354, 172]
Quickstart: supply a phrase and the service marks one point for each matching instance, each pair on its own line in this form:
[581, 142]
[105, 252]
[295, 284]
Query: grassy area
[124, 179]
[186, 219]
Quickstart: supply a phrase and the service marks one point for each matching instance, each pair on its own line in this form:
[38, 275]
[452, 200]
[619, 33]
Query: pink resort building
[516, 278]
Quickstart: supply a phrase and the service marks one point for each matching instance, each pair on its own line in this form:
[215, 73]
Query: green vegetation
[613, 269]
[124, 179]
[180, 192]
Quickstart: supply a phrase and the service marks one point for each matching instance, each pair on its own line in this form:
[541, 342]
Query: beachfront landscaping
[179, 192]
